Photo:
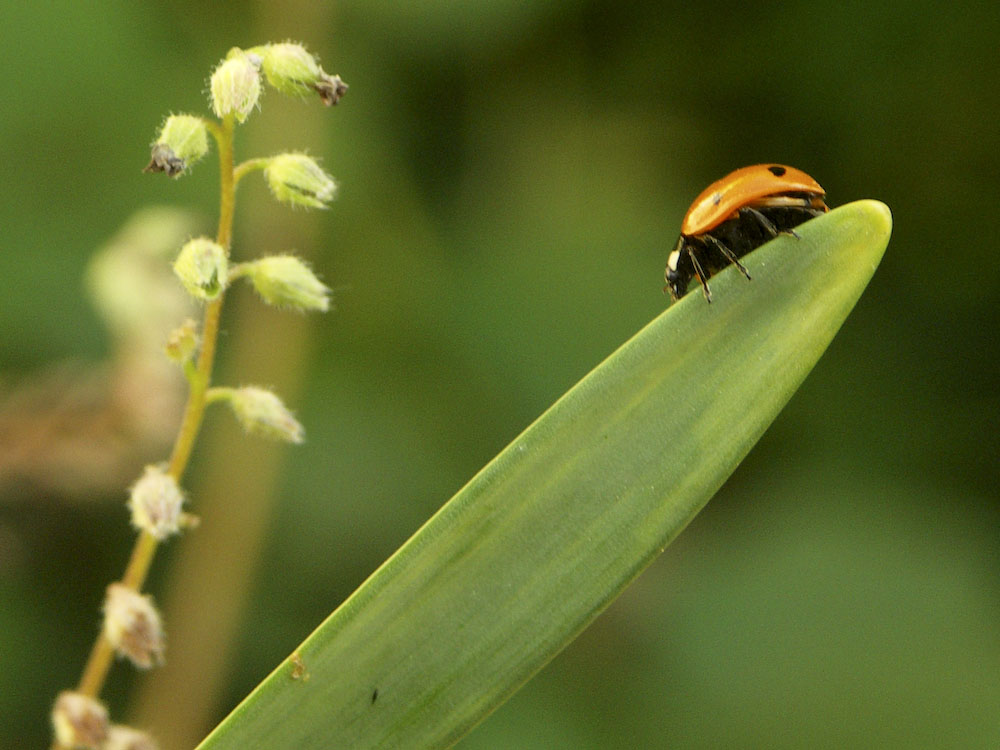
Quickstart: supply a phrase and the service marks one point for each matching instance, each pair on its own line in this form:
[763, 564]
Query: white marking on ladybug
[672, 260]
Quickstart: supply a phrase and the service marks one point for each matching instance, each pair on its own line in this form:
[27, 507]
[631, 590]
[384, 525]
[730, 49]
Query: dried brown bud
[330, 89]
[163, 159]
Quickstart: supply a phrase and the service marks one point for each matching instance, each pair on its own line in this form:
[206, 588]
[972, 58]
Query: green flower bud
[182, 342]
[298, 179]
[235, 85]
[133, 627]
[182, 141]
[156, 502]
[263, 413]
[79, 721]
[286, 281]
[202, 268]
[292, 70]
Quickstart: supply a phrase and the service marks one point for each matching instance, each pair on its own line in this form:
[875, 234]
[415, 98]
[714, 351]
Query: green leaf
[549, 532]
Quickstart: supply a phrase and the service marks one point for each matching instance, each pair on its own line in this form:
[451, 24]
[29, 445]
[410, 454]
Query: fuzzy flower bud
[79, 721]
[235, 85]
[263, 413]
[125, 738]
[202, 267]
[286, 281]
[292, 70]
[156, 502]
[298, 179]
[182, 342]
[132, 626]
[183, 140]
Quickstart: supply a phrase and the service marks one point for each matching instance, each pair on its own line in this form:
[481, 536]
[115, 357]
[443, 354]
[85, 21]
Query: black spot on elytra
[777, 170]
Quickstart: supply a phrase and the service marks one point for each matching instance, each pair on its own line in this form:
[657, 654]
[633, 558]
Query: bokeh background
[512, 177]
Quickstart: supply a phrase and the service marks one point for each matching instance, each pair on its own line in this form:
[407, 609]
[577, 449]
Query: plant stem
[248, 166]
[96, 670]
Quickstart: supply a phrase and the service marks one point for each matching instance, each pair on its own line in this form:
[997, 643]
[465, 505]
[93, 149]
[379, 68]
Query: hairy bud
[299, 180]
[235, 85]
[182, 342]
[182, 141]
[133, 626]
[294, 71]
[156, 502]
[79, 721]
[286, 281]
[202, 267]
[263, 413]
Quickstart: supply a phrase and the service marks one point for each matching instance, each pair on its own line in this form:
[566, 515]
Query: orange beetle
[737, 214]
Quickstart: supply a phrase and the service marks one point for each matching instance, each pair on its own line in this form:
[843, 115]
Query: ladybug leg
[700, 273]
[729, 254]
[762, 220]
[767, 223]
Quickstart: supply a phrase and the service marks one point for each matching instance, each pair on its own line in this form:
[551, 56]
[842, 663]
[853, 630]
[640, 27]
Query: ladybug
[737, 214]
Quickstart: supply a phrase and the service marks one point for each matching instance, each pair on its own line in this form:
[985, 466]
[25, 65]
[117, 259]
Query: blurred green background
[512, 177]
